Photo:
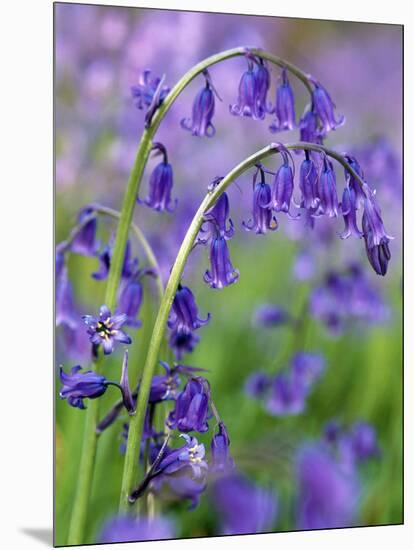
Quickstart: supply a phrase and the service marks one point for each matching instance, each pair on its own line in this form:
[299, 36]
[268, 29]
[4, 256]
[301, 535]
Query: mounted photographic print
[228, 289]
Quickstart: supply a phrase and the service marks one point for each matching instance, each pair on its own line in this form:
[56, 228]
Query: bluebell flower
[182, 341]
[161, 184]
[184, 311]
[349, 212]
[308, 125]
[216, 219]
[242, 506]
[77, 386]
[220, 451]
[257, 384]
[84, 242]
[308, 184]
[262, 78]
[270, 315]
[222, 272]
[203, 110]
[327, 494]
[66, 313]
[129, 266]
[191, 410]
[324, 108]
[327, 191]
[149, 93]
[353, 183]
[282, 187]
[285, 106]
[132, 529]
[262, 219]
[189, 457]
[165, 386]
[376, 238]
[287, 396]
[247, 101]
[107, 329]
[130, 300]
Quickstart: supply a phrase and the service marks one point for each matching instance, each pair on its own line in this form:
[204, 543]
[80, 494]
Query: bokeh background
[99, 54]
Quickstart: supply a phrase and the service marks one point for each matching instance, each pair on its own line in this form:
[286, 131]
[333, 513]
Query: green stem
[137, 422]
[77, 524]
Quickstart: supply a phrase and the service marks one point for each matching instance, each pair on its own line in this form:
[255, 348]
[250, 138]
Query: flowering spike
[106, 330]
[222, 271]
[324, 108]
[203, 110]
[285, 106]
[77, 386]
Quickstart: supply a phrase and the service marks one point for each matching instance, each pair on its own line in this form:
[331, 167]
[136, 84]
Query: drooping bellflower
[216, 219]
[308, 125]
[247, 101]
[184, 311]
[203, 110]
[285, 106]
[161, 184]
[221, 459]
[191, 407]
[222, 272]
[308, 184]
[84, 242]
[327, 190]
[129, 266]
[76, 386]
[262, 77]
[376, 238]
[150, 93]
[324, 108]
[262, 219]
[107, 329]
[282, 187]
[349, 212]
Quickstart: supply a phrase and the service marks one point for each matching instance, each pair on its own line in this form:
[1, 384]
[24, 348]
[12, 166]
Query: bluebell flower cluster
[347, 299]
[286, 393]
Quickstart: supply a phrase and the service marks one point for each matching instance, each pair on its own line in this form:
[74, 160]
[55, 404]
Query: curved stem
[152, 260]
[137, 422]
